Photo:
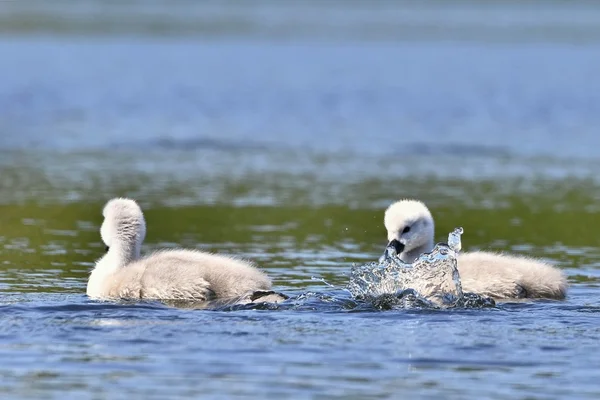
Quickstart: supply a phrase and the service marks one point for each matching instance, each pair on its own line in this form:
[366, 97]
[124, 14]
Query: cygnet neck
[412, 255]
[118, 256]
[123, 253]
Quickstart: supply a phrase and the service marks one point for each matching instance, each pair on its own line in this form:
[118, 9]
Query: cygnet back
[179, 274]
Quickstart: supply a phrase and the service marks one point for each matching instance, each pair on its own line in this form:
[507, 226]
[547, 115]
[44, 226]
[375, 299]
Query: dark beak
[107, 248]
[396, 245]
[392, 250]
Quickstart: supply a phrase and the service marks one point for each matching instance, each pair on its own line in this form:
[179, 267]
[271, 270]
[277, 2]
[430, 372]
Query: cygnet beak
[396, 245]
[392, 250]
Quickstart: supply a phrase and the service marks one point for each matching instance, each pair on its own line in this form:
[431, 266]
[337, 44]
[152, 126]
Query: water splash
[322, 280]
[454, 242]
[432, 280]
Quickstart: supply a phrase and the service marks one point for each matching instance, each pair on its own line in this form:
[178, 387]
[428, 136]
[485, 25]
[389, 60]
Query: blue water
[66, 345]
[286, 149]
[368, 98]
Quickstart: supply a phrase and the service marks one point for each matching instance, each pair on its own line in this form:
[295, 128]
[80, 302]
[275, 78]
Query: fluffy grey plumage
[168, 274]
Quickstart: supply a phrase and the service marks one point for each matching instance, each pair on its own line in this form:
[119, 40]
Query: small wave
[334, 301]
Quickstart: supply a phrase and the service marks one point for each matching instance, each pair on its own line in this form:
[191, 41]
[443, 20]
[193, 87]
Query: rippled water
[286, 150]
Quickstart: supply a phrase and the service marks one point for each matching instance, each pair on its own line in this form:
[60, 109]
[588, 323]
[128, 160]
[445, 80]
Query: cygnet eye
[106, 248]
[406, 230]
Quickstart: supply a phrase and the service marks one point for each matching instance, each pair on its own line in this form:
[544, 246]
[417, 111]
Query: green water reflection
[62, 240]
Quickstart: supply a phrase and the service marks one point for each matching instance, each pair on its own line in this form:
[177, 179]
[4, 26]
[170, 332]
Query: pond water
[286, 150]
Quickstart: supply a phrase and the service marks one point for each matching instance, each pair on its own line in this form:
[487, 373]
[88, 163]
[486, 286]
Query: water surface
[287, 152]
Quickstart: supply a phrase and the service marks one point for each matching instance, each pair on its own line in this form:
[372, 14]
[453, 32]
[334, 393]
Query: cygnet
[167, 274]
[410, 231]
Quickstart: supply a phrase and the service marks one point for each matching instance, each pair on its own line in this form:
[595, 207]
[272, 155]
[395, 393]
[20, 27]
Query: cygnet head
[124, 227]
[410, 229]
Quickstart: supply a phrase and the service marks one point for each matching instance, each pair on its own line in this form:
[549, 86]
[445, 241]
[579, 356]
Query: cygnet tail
[550, 286]
[539, 280]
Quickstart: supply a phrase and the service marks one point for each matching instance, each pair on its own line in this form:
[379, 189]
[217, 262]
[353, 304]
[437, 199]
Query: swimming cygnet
[166, 274]
[410, 231]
